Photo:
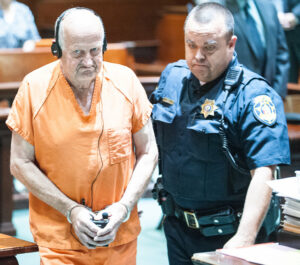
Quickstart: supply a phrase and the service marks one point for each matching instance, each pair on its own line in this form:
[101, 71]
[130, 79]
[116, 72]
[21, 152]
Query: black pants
[183, 242]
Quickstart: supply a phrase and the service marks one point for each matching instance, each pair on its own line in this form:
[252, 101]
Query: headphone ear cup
[104, 47]
[55, 49]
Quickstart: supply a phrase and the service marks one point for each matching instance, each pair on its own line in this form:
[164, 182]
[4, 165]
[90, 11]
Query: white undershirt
[202, 83]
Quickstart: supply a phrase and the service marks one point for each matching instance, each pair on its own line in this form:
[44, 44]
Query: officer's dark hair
[207, 12]
[57, 45]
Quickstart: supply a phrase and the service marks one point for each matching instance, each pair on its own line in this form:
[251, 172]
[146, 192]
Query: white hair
[77, 13]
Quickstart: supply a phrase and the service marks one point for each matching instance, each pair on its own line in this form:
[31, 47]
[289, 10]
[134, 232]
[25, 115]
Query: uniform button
[181, 133]
[216, 221]
[220, 231]
[179, 153]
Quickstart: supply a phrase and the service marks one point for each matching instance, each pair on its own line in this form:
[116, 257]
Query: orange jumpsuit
[70, 147]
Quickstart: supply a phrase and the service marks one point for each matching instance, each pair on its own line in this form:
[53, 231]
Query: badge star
[208, 108]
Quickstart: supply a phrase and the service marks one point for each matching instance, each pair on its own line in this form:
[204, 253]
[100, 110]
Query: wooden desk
[214, 258]
[11, 246]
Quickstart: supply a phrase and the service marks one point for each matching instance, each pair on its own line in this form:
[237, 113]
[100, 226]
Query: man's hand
[84, 228]
[239, 241]
[117, 212]
[256, 206]
[287, 20]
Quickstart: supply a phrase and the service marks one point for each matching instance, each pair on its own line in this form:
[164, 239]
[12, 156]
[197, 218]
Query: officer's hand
[239, 241]
[117, 213]
[84, 228]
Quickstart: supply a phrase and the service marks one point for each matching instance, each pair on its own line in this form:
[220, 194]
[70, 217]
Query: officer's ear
[232, 42]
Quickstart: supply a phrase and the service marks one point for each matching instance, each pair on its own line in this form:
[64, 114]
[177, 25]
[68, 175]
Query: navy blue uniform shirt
[187, 119]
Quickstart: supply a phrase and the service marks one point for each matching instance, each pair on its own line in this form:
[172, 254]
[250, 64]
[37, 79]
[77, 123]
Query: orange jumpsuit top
[73, 149]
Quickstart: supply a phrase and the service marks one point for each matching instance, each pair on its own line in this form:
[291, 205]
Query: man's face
[207, 49]
[82, 54]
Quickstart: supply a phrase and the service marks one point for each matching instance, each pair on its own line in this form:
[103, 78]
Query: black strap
[232, 79]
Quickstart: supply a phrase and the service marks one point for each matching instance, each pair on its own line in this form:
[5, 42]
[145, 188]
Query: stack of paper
[291, 211]
[266, 254]
[286, 187]
[289, 188]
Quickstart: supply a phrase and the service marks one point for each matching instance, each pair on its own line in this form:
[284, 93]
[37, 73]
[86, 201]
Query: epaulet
[169, 83]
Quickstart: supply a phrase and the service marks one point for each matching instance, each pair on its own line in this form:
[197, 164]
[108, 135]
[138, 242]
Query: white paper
[266, 254]
[286, 187]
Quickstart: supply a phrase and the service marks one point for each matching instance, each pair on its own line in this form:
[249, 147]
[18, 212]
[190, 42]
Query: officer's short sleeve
[20, 117]
[157, 93]
[262, 126]
[141, 106]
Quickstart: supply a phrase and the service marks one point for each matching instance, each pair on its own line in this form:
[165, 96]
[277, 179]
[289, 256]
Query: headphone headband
[55, 47]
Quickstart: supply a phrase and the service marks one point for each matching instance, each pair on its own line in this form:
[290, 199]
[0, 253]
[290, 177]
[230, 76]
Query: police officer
[221, 132]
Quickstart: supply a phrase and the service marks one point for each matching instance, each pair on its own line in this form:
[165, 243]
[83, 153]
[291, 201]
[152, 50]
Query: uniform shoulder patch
[264, 110]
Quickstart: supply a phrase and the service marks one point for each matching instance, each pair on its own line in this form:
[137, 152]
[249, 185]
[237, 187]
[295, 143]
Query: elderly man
[82, 143]
[221, 131]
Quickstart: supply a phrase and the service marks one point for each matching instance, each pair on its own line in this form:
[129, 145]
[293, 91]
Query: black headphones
[55, 47]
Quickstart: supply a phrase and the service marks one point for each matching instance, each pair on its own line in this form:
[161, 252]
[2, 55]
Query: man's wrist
[127, 212]
[69, 211]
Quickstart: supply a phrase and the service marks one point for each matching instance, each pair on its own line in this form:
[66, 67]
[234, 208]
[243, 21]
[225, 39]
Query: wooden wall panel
[171, 36]
[123, 19]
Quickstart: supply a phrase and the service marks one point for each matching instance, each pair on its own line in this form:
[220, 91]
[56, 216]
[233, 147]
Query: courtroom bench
[16, 63]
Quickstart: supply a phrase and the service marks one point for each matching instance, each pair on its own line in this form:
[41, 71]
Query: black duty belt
[220, 221]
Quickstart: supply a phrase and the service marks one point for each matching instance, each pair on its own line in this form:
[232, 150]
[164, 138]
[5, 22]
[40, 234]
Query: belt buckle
[191, 219]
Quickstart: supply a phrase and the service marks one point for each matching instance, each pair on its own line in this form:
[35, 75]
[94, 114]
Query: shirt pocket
[119, 144]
